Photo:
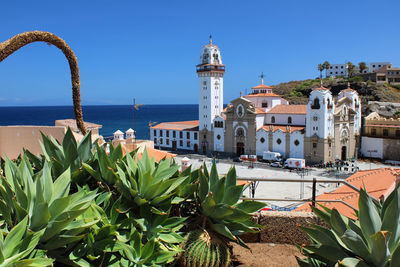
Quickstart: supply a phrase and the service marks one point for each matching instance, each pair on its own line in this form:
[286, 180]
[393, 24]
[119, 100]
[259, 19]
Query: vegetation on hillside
[297, 92]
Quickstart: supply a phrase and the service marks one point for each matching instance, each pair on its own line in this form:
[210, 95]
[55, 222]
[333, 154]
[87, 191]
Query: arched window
[262, 140]
[315, 104]
[289, 120]
[273, 119]
[239, 132]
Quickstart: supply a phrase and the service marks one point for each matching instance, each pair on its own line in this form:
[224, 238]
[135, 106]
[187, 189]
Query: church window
[314, 145]
[373, 132]
[278, 141]
[167, 133]
[262, 140]
[160, 132]
[173, 134]
[218, 137]
[315, 105]
[204, 83]
[289, 120]
[315, 118]
[188, 144]
[155, 140]
[155, 132]
[296, 142]
[240, 111]
[239, 132]
[264, 105]
[161, 141]
[167, 142]
[195, 136]
[188, 135]
[180, 143]
[385, 132]
[180, 134]
[205, 136]
[273, 119]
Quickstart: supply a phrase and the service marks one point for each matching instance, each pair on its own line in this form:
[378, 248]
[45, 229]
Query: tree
[13, 44]
[327, 65]
[350, 69]
[362, 66]
[320, 68]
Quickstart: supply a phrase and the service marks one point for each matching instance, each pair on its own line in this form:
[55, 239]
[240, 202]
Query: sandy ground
[278, 190]
[265, 254]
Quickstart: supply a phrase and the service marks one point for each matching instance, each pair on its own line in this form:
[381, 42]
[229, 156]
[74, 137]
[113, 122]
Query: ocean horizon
[111, 117]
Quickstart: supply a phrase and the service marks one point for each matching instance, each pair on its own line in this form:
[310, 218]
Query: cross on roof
[210, 39]
[262, 77]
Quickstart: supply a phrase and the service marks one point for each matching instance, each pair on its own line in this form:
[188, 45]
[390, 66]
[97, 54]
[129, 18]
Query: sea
[112, 118]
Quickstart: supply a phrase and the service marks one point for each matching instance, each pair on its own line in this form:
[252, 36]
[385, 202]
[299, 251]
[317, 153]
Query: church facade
[323, 130]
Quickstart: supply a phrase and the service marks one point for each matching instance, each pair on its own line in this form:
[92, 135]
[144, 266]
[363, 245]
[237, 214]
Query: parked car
[276, 164]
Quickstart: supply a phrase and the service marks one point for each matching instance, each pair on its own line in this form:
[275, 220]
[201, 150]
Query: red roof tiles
[289, 109]
[377, 183]
[262, 94]
[178, 126]
[262, 86]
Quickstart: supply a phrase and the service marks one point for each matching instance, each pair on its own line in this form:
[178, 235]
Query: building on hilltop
[341, 69]
[381, 138]
[320, 131]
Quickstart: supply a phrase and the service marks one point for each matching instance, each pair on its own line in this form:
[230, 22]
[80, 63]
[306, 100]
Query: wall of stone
[282, 227]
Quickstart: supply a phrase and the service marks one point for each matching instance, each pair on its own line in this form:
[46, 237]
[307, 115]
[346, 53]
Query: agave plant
[373, 239]
[18, 247]
[48, 205]
[221, 218]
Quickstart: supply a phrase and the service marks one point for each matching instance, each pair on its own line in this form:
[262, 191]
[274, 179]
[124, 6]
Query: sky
[148, 50]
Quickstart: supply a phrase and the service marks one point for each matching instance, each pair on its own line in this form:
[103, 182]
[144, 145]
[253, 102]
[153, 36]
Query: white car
[276, 164]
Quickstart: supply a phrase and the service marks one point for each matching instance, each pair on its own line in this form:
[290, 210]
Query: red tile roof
[283, 128]
[178, 126]
[288, 109]
[260, 111]
[261, 94]
[262, 86]
[156, 154]
[377, 182]
[349, 90]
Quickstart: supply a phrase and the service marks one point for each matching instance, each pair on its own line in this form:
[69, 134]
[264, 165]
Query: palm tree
[362, 66]
[350, 69]
[327, 65]
[320, 68]
[13, 44]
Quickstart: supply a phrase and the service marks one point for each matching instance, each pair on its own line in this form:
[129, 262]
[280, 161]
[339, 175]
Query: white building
[341, 69]
[263, 120]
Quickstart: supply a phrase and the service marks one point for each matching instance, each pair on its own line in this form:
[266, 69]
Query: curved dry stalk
[11, 45]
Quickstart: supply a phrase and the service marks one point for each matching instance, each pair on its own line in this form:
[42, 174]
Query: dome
[210, 54]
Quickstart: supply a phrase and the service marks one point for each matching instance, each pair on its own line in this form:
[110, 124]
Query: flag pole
[134, 107]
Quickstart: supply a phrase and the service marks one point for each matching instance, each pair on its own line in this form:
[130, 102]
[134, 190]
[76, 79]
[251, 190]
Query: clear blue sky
[149, 49]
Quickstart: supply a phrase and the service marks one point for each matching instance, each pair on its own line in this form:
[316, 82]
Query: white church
[323, 130]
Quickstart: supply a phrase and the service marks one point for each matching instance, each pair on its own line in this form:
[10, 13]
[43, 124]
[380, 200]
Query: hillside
[297, 92]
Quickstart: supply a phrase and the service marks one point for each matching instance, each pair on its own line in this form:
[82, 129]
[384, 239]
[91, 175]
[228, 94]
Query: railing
[314, 182]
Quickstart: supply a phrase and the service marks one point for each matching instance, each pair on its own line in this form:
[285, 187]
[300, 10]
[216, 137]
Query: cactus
[205, 249]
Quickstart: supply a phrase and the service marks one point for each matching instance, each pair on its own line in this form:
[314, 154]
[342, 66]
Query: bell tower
[211, 94]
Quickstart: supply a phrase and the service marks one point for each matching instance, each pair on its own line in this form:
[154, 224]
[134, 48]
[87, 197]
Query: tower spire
[210, 39]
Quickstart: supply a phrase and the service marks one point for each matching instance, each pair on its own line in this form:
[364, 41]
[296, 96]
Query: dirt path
[265, 254]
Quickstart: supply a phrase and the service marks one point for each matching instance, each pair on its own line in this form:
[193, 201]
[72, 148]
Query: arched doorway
[196, 148]
[239, 148]
[344, 152]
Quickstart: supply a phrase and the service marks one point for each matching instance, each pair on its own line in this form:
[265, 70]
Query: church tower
[211, 75]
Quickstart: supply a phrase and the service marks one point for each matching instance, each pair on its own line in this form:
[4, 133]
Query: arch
[273, 119]
[18, 41]
[315, 104]
[240, 132]
[289, 120]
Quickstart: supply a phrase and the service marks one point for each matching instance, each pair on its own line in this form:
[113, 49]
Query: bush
[84, 207]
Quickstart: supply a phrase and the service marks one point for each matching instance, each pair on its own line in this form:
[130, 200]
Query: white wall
[281, 148]
[261, 147]
[171, 138]
[283, 119]
[272, 101]
[323, 124]
[211, 98]
[375, 145]
[337, 70]
[259, 121]
[297, 151]
[219, 143]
